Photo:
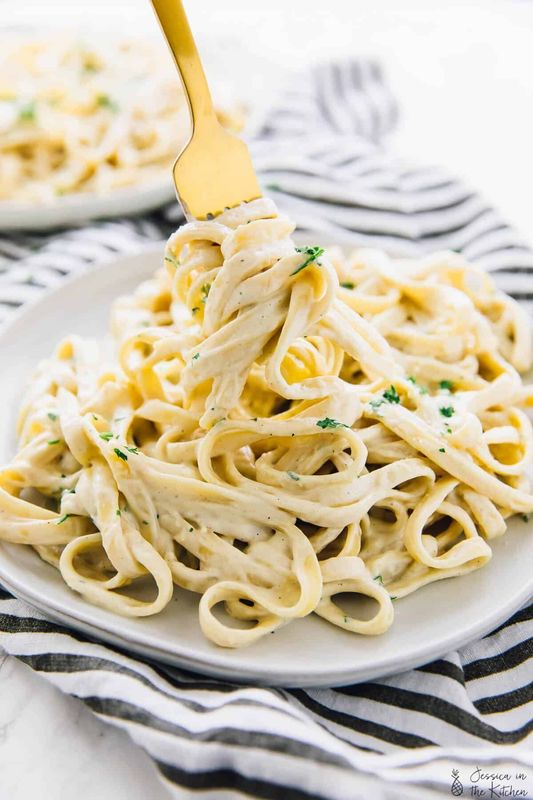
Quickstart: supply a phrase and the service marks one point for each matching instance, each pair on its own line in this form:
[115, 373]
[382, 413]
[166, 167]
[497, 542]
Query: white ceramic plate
[76, 209]
[308, 652]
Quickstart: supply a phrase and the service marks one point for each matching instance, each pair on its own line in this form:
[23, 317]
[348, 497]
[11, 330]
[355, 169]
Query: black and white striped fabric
[322, 154]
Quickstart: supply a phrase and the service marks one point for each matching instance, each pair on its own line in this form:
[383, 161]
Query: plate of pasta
[89, 127]
[282, 462]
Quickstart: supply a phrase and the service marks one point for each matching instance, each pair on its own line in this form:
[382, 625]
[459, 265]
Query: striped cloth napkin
[431, 732]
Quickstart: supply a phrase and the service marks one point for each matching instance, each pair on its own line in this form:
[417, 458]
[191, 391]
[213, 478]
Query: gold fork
[214, 171]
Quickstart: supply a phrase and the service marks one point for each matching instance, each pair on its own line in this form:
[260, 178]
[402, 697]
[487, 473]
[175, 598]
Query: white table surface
[462, 71]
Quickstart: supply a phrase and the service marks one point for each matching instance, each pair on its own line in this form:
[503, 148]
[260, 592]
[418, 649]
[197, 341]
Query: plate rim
[215, 666]
[69, 210]
[281, 679]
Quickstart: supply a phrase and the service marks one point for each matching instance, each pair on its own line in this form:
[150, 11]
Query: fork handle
[176, 28]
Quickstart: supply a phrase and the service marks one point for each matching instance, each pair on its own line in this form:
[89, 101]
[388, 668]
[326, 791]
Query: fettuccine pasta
[278, 428]
[79, 116]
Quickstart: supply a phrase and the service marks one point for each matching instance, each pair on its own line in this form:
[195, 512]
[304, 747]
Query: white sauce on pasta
[278, 426]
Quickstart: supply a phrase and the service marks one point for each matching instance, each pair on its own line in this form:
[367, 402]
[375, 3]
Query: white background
[463, 72]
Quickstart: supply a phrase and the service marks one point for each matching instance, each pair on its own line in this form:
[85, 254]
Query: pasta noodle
[277, 429]
[88, 117]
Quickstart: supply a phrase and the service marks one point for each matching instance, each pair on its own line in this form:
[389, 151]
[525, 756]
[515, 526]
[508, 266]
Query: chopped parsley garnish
[69, 491]
[447, 411]
[327, 422]
[191, 530]
[391, 395]
[346, 620]
[51, 416]
[393, 597]
[196, 356]
[312, 254]
[134, 450]
[525, 517]
[54, 441]
[273, 187]
[195, 310]
[292, 475]
[442, 450]
[205, 289]
[63, 519]
[27, 112]
[347, 285]
[446, 385]
[375, 404]
[379, 579]
[107, 436]
[94, 417]
[448, 429]
[172, 260]
[118, 512]
[145, 522]
[104, 101]
[120, 454]
[421, 389]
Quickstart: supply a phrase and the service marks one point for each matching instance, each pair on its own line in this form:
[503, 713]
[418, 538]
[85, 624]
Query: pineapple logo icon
[457, 786]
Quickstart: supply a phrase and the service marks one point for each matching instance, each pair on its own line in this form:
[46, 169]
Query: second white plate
[79, 208]
[309, 652]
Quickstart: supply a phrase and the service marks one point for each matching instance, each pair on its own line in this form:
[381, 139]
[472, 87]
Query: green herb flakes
[63, 519]
[312, 253]
[292, 475]
[107, 436]
[330, 423]
[54, 441]
[447, 411]
[446, 385]
[51, 416]
[172, 260]
[104, 101]
[347, 285]
[27, 112]
[391, 395]
[120, 454]
[421, 389]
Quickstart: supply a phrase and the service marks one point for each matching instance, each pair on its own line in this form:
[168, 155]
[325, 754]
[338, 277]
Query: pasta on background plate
[88, 116]
[276, 429]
